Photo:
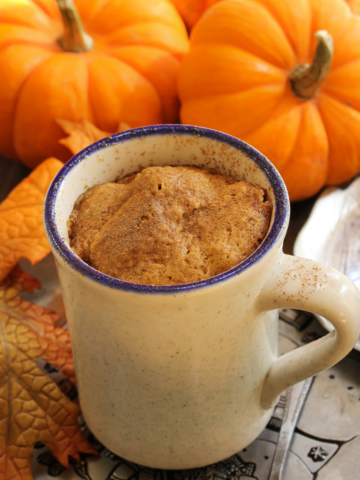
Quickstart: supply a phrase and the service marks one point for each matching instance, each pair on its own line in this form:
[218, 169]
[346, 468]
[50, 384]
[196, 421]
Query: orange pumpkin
[354, 5]
[191, 10]
[246, 75]
[126, 71]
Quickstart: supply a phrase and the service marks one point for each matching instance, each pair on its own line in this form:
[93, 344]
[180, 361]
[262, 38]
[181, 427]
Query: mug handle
[311, 286]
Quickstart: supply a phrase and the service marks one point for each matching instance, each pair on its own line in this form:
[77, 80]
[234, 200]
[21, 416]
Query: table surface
[327, 438]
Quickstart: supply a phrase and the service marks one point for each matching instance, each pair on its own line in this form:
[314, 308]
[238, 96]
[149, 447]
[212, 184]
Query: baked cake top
[169, 225]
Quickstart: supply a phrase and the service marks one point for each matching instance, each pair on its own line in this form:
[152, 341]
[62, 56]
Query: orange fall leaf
[21, 225]
[82, 134]
[32, 407]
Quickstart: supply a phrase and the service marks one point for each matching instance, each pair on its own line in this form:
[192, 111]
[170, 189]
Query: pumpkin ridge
[164, 66]
[297, 136]
[334, 96]
[14, 111]
[283, 25]
[131, 25]
[339, 67]
[151, 42]
[345, 175]
[91, 107]
[91, 113]
[27, 30]
[163, 20]
[51, 130]
[225, 44]
[17, 22]
[283, 110]
[43, 9]
[238, 92]
[14, 80]
[289, 170]
[137, 24]
[347, 46]
[328, 24]
[275, 49]
[248, 90]
[21, 19]
[96, 12]
[350, 96]
[246, 99]
[118, 108]
[124, 62]
[232, 71]
[257, 58]
[51, 47]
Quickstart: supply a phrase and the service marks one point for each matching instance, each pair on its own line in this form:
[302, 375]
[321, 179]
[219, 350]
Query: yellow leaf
[32, 406]
[21, 225]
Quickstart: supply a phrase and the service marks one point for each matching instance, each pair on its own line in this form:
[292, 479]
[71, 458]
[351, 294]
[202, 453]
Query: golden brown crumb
[169, 225]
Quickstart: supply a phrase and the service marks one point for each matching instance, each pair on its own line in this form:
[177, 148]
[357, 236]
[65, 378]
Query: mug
[183, 376]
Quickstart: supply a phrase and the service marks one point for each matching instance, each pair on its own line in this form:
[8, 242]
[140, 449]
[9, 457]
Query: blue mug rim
[282, 207]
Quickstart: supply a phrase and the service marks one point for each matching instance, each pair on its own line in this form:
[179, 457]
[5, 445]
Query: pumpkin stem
[74, 39]
[307, 79]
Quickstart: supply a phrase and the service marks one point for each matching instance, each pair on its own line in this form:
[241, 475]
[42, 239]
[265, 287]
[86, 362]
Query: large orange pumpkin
[191, 10]
[236, 78]
[50, 68]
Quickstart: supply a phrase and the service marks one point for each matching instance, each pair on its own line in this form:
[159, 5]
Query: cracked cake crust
[169, 225]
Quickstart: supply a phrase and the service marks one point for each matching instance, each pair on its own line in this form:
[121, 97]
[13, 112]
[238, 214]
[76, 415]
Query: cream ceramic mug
[184, 376]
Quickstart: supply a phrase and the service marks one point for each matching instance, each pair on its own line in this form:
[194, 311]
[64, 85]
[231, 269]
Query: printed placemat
[325, 445]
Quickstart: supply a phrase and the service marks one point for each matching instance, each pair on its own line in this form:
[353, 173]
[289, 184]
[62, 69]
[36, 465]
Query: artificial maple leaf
[83, 133]
[32, 407]
[21, 225]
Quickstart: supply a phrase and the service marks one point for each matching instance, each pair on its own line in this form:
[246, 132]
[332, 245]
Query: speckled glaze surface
[183, 376]
[331, 234]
